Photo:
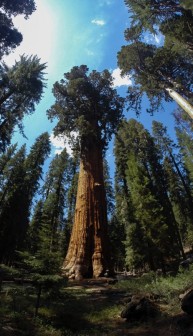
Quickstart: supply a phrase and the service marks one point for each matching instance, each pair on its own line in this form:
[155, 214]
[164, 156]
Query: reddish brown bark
[88, 252]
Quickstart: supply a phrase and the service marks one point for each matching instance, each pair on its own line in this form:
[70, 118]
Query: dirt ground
[163, 325]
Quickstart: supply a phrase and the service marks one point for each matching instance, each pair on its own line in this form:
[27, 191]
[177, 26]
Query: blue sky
[66, 33]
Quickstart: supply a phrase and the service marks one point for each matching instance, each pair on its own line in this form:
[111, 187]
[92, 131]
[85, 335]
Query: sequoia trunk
[88, 252]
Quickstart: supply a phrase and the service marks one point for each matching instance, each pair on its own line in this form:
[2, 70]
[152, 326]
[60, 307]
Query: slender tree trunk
[184, 104]
[88, 251]
[38, 300]
[188, 193]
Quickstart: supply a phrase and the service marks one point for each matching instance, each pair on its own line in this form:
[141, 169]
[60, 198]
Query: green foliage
[21, 88]
[153, 70]
[150, 12]
[117, 237]
[142, 201]
[187, 4]
[178, 180]
[165, 287]
[10, 38]
[178, 33]
[172, 18]
[86, 104]
[12, 222]
[20, 182]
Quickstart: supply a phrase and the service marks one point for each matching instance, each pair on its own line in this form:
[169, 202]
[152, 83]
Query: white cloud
[120, 80]
[38, 37]
[98, 22]
[61, 142]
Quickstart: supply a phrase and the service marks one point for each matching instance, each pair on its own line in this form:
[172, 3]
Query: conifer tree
[149, 212]
[184, 136]
[55, 205]
[161, 73]
[49, 220]
[88, 104]
[22, 182]
[12, 214]
[166, 144]
[33, 240]
[21, 88]
[172, 18]
[184, 133]
[10, 37]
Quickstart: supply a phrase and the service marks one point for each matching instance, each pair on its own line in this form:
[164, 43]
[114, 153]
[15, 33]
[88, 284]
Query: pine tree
[34, 162]
[149, 15]
[88, 104]
[178, 33]
[33, 240]
[21, 88]
[12, 215]
[10, 38]
[54, 210]
[4, 160]
[184, 137]
[148, 208]
[184, 133]
[22, 176]
[161, 73]
[177, 178]
[161, 137]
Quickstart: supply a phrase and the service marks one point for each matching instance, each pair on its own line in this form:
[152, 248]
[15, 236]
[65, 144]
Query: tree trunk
[88, 251]
[181, 101]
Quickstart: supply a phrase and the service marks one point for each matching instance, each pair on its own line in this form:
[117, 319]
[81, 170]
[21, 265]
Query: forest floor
[93, 308]
[170, 321]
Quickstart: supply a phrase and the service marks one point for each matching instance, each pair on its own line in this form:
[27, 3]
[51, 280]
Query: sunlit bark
[184, 104]
[88, 252]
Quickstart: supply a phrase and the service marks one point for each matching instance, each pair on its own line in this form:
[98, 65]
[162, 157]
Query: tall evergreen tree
[177, 177]
[34, 162]
[161, 73]
[21, 87]
[4, 160]
[22, 182]
[12, 214]
[54, 210]
[149, 210]
[33, 238]
[10, 38]
[46, 234]
[88, 104]
[166, 144]
[185, 136]
[184, 132]
[150, 14]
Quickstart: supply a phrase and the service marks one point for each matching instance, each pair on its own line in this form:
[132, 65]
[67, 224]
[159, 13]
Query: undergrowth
[165, 286]
[70, 312]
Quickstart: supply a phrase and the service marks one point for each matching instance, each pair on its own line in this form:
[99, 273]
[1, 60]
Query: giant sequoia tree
[88, 104]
